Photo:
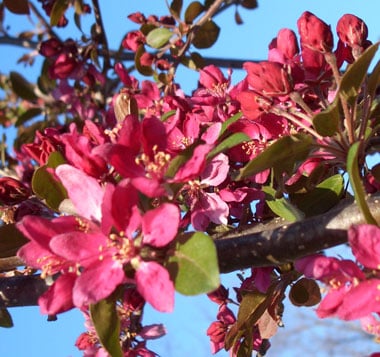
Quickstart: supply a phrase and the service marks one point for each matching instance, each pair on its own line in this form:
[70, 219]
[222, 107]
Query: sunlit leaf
[355, 74]
[58, 10]
[357, 184]
[231, 141]
[206, 35]
[11, 239]
[284, 209]
[230, 121]
[46, 186]
[107, 325]
[282, 155]
[374, 80]
[326, 123]
[158, 37]
[19, 7]
[323, 197]
[193, 265]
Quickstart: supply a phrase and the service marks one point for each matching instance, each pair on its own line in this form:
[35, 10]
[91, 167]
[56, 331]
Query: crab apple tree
[122, 189]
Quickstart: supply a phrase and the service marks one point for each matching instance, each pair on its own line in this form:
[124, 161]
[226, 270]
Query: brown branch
[244, 248]
[129, 56]
[267, 244]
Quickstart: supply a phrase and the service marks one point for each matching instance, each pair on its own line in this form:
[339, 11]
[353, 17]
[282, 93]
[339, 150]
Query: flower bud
[286, 43]
[50, 48]
[268, 78]
[353, 32]
[314, 33]
[12, 191]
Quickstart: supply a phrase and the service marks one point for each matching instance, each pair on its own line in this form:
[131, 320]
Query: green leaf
[193, 266]
[5, 318]
[283, 208]
[374, 80]
[58, 10]
[176, 8]
[193, 11]
[282, 155]
[46, 186]
[228, 143]
[19, 7]
[230, 121]
[357, 184]
[158, 37]
[326, 123]
[355, 74]
[252, 307]
[322, 198]
[179, 161]
[144, 70]
[107, 325]
[27, 115]
[195, 61]
[22, 87]
[206, 35]
[11, 239]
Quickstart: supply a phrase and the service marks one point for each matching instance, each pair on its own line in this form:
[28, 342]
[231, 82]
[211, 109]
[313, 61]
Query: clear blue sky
[32, 335]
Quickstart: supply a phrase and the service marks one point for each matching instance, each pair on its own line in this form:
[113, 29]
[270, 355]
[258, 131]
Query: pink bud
[315, 34]
[352, 30]
[268, 78]
[287, 43]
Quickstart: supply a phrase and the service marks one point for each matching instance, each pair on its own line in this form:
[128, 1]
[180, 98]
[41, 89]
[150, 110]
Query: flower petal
[155, 286]
[83, 190]
[156, 232]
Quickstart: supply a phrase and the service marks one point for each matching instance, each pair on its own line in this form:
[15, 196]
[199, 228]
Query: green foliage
[22, 87]
[46, 186]
[355, 75]
[206, 35]
[59, 8]
[282, 156]
[158, 37]
[5, 318]
[107, 325]
[356, 182]
[326, 123]
[11, 239]
[193, 11]
[193, 265]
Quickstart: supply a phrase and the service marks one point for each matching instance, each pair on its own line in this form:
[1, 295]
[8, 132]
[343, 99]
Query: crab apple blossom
[126, 187]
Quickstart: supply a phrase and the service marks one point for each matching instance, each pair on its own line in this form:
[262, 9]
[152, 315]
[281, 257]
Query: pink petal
[216, 171]
[195, 165]
[98, 281]
[365, 243]
[360, 300]
[151, 332]
[331, 302]
[160, 225]
[79, 246]
[58, 298]
[83, 190]
[155, 286]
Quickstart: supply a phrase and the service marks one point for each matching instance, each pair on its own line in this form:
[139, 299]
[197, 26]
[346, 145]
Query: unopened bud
[125, 105]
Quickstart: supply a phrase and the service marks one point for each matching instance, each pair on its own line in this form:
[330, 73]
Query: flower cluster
[109, 199]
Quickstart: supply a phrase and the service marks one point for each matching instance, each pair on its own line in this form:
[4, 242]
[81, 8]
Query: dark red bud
[314, 33]
[352, 30]
[12, 191]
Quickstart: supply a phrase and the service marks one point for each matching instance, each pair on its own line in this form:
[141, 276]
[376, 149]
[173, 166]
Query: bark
[266, 244]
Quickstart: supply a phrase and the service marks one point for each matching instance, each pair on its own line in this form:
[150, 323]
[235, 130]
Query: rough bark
[266, 244]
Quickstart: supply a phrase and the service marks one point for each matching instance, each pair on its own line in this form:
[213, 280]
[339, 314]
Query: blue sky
[32, 335]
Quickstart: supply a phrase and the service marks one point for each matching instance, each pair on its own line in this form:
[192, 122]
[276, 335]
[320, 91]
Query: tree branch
[246, 247]
[129, 56]
[266, 244]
